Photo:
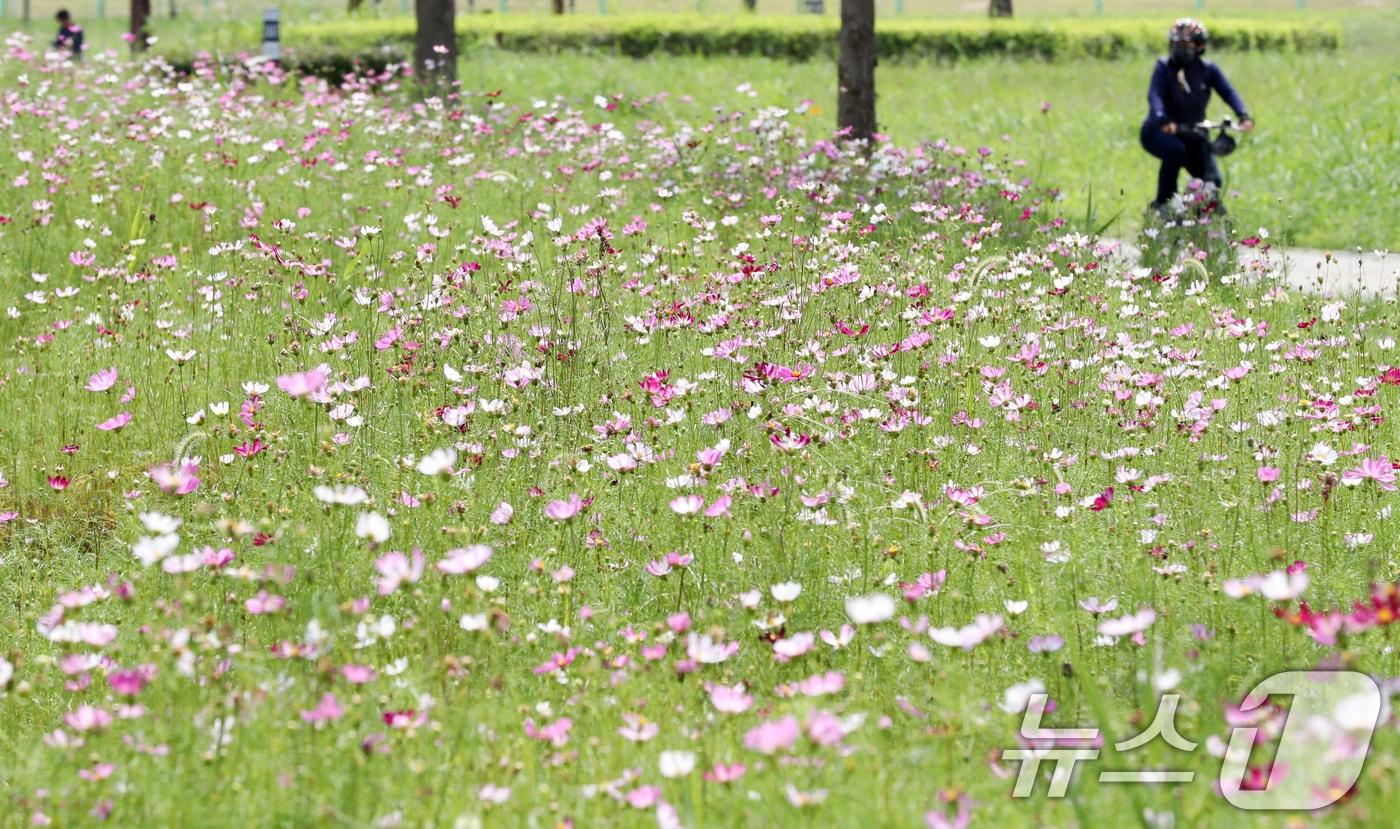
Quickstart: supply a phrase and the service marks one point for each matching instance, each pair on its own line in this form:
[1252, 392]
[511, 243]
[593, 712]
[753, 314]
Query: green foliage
[805, 38]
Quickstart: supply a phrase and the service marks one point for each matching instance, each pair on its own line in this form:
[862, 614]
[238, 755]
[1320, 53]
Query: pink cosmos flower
[1129, 625]
[173, 479]
[87, 718]
[791, 647]
[704, 650]
[564, 510]
[773, 736]
[264, 603]
[831, 682]
[557, 662]
[304, 383]
[358, 674]
[131, 682]
[501, 515]
[100, 771]
[729, 699]
[637, 729]
[968, 636]
[719, 508]
[102, 380]
[1278, 586]
[726, 774]
[464, 560]
[687, 504]
[1380, 470]
[327, 710]
[644, 797]
[824, 728]
[115, 422]
[940, 819]
[555, 733]
[395, 569]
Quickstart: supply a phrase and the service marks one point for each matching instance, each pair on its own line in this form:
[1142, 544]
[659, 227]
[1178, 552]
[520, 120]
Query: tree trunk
[558, 6]
[999, 8]
[140, 13]
[435, 48]
[855, 69]
[354, 5]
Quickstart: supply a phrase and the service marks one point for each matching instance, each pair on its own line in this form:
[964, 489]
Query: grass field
[1319, 172]
[236, 10]
[618, 449]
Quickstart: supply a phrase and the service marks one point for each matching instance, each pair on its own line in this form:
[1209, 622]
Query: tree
[435, 47]
[999, 8]
[140, 13]
[855, 69]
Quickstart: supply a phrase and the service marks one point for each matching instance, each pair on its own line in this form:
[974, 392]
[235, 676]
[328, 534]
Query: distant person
[1176, 99]
[70, 35]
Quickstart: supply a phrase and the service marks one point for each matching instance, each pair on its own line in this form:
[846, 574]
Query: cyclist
[1176, 99]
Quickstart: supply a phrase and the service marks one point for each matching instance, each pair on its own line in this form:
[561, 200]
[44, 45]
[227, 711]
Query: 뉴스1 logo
[1321, 741]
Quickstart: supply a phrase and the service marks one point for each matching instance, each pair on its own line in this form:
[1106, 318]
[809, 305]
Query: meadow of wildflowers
[497, 461]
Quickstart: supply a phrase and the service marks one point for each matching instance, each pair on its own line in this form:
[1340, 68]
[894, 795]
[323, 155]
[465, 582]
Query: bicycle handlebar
[1223, 124]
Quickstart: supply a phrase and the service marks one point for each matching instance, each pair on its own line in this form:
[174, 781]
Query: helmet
[1188, 30]
[1223, 144]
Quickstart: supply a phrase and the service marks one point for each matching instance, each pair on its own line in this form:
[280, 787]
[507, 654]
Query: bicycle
[1196, 221]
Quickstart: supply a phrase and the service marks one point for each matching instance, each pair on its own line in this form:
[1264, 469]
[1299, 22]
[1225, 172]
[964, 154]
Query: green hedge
[803, 38]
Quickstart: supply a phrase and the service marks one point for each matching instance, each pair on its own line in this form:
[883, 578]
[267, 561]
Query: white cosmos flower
[869, 610]
[1015, 699]
[677, 763]
[1130, 624]
[348, 495]
[622, 462]
[159, 522]
[373, 526]
[464, 560]
[438, 462]
[150, 550]
[968, 636]
[1323, 454]
[788, 591]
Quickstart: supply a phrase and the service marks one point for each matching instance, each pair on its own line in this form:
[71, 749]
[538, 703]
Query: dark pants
[1177, 151]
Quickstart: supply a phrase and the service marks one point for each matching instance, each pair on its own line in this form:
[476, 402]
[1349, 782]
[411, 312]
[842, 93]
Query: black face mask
[1184, 53]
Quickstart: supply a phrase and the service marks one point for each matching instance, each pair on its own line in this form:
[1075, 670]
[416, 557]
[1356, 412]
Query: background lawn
[278, 359]
[1321, 170]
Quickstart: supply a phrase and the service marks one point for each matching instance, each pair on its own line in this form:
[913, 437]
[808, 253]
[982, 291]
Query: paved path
[1373, 274]
[1368, 273]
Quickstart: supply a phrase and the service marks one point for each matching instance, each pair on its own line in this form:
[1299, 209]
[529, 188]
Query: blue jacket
[70, 37]
[1179, 94]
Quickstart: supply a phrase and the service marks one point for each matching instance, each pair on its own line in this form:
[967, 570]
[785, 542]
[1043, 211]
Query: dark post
[435, 49]
[140, 13]
[855, 69]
